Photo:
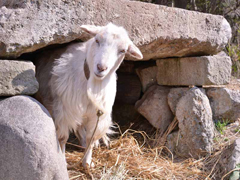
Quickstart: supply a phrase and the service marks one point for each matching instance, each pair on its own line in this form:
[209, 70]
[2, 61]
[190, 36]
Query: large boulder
[29, 147]
[203, 70]
[17, 77]
[196, 127]
[154, 107]
[225, 103]
[159, 31]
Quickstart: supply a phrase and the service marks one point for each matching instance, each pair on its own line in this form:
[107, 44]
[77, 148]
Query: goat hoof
[92, 165]
[87, 165]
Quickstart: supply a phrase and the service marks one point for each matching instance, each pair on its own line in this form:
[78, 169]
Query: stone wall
[182, 54]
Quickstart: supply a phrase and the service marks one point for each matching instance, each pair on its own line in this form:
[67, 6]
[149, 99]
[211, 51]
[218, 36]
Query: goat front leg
[62, 135]
[87, 159]
[91, 139]
[62, 142]
[80, 133]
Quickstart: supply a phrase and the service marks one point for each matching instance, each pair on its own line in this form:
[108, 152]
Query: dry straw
[135, 155]
[129, 158]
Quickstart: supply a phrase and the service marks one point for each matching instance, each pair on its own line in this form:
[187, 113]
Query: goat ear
[134, 51]
[91, 29]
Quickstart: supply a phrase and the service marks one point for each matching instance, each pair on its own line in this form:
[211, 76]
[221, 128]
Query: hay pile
[131, 156]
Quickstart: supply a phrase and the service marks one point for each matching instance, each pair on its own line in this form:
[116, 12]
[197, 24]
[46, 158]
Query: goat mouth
[100, 76]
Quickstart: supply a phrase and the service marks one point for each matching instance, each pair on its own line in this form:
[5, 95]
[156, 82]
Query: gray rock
[13, 3]
[225, 103]
[172, 141]
[147, 76]
[196, 127]
[153, 106]
[174, 96]
[234, 159]
[230, 158]
[159, 31]
[204, 70]
[29, 147]
[175, 143]
[17, 77]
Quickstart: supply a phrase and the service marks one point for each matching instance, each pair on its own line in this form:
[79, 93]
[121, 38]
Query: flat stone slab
[17, 77]
[159, 31]
[29, 147]
[203, 70]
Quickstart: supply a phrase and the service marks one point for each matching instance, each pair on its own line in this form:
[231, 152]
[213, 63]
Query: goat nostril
[101, 68]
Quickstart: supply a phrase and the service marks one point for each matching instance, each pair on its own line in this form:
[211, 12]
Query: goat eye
[97, 41]
[122, 51]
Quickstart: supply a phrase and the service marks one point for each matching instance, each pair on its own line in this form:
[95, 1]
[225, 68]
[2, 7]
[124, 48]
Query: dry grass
[131, 156]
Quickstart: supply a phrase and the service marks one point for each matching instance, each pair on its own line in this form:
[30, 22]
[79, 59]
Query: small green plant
[222, 125]
[216, 139]
[237, 130]
[234, 68]
[226, 139]
[233, 51]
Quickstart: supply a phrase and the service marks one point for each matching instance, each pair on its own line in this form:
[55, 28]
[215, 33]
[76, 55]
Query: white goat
[73, 99]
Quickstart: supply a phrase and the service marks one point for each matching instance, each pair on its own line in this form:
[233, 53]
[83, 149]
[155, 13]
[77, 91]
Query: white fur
[76, 99]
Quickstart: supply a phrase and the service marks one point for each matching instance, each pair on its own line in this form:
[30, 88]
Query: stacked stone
[187, 88]
[29, 148]
[196, 106]
[17, 77]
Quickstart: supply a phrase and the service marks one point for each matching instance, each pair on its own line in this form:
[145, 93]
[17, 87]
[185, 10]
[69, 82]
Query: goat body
[71, 98]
